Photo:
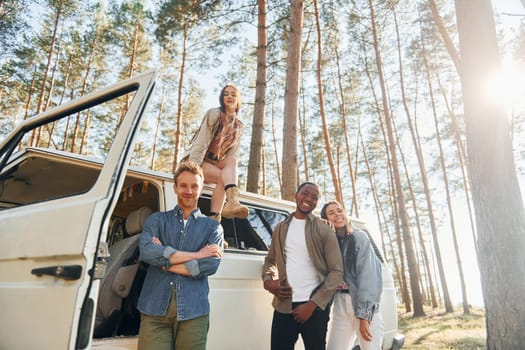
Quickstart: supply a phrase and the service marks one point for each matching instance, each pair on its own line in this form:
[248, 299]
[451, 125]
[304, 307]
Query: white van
[69, 225]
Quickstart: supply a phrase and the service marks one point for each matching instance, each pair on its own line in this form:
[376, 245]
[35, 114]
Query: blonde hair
[189, 166]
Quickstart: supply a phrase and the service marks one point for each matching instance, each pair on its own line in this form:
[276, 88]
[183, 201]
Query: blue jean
[285, 330]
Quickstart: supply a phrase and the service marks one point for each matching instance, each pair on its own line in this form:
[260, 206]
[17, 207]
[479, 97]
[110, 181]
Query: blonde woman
[215, 146]
[355, 312]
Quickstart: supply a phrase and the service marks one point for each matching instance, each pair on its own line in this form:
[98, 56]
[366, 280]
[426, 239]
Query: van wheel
[399, 341]
[396, 345]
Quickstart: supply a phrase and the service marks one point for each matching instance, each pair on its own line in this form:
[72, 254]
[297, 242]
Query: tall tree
[421, 166]
[449, 45]
[291, 101]
[59, 9]
[462, 157]
[428, 198]
[398, 189]
[392, 203]
[276, 153]
[256, 145]
[466, 309]
[302, 132]
[131, 35]
[354, 209]
[326, 135]
[498, 203]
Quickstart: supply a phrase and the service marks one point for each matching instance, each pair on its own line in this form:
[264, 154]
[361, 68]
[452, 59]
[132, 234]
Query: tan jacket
[322, 246]
[203, 137]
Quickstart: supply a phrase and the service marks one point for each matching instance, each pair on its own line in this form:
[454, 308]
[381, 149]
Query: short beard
[305, 213]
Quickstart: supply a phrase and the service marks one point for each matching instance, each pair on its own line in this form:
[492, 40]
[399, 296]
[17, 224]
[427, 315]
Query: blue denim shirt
[191, 292]
[365, 282]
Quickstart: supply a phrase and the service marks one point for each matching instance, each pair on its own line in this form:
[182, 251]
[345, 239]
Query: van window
[38, 178]
[253, 233]
[29, 175]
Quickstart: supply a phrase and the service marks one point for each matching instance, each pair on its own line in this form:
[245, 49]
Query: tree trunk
[27, 105]
[444, 34]
[381, 217]
[449, 308]
[398, 189]
[291, 96]
[466, 309]
[302, 134]
[326, 135]
[263, 167]
[179, 99]
[92, 49]
[65, 81]
[462, 156]
[157, 129]
[274, 139]
[405, 295]
[401, 271]
[498, 203]
[131, 70]
[426, 261]
[354, 210]
[56, 63]
[420, 161]
[254, 164]
[34, 136]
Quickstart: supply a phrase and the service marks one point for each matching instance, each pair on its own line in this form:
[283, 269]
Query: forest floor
[438, 330]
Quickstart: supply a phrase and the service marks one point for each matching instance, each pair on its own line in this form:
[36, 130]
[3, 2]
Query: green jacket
[322, 246]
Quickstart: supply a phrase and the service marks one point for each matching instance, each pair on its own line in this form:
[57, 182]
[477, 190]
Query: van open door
[50, 230]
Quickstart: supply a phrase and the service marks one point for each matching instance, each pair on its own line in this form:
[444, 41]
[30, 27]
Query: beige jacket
[322, 246]
[203, 137]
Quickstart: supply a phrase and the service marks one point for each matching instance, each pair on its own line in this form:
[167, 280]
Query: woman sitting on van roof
[215, 146]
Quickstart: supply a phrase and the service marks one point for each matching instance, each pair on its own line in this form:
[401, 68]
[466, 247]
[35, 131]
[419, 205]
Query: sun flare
[507, 84]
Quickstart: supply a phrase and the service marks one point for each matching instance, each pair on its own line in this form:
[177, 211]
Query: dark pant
[285, 330]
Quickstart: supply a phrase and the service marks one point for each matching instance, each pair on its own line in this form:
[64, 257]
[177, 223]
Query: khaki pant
[166, 333]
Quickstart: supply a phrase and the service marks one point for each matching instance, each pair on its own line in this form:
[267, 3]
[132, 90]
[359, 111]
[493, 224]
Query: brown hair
[238, 95]
[325, 206]
[349, 256]
[229, 130]
[189, 166]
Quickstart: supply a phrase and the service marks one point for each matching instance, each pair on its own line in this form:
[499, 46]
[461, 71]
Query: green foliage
[179, 15]
[12, 22]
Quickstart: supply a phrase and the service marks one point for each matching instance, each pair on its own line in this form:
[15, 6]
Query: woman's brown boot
[232, 207]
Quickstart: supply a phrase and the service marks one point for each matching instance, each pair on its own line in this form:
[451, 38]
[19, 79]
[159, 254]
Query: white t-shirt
[302, 274]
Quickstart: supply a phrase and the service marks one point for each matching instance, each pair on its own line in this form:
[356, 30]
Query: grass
[438, 330]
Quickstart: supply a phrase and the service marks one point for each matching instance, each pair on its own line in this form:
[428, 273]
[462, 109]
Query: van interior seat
[120, 273]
